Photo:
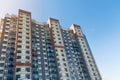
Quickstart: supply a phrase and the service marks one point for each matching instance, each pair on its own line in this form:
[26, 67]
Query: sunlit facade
[32, 50]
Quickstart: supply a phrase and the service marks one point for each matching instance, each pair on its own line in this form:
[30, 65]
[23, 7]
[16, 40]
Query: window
[57, 54]
[83, 45]
[62, 55]
[27, 33]
[1, 71]
[19, 46]
[86, 53]
[59, 38]
[21, 20]
[28, 69]
[27, 47]
[19, 51]
[20, 23]
[27, 21]
[66, 69]
[27, 15]
[17, 77]
[28, 76]
[91, 65]
[28, 52]
[82, 42]
[0, 78]
[46, 65]
[54, 41]
[58, 59]
[59, 69]
[4, 42]
[64, 64]
[96, 79]
[57, 31]
[92, 69]
[27, 42]
[27, 37]
[27, 29]
[89, 60]
[19, 36]
[59, 42]
[61, 50]
[21, 16]
[58, 64]
[67, 74]
[88, 57]
[85, 49]
[94, 74]
[20, 32]
[1, 64]
[27, 57]
[18, 69]
[18, 57]
[56, 50]
[27, 18]
[63, 59]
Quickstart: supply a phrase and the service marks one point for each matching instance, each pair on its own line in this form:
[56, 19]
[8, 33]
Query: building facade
[32, 50]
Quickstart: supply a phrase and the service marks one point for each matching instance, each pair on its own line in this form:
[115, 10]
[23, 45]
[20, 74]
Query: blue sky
[99, 19]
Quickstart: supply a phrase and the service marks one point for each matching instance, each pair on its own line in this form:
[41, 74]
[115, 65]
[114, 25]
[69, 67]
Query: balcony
[1, 75]
[23, 78]
[23, 60]
[3, 55]
[26, 71]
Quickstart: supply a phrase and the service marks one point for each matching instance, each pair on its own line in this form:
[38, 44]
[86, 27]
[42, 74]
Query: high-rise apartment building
[32, 50]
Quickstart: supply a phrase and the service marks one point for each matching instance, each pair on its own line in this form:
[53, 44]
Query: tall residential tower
[32, 50]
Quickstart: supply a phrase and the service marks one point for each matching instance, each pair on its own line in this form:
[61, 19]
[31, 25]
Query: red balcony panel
[23, 64]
